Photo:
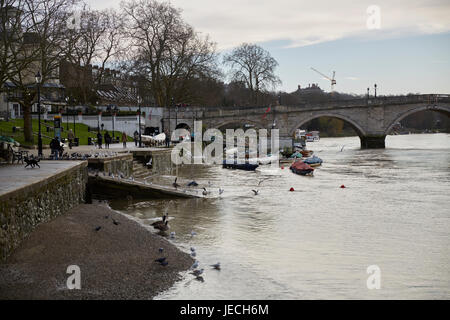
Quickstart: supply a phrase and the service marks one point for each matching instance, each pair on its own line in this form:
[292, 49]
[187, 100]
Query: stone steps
[140, 171]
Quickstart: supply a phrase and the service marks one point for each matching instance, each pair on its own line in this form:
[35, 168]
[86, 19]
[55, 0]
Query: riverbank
[116, 262]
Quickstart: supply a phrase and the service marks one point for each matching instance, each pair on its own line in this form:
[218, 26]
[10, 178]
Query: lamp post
[375, 86]
[67, 113]
[38, 83]
[368, 93]
[139, 120]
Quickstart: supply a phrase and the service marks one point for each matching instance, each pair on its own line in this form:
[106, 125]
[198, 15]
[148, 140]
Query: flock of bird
[163, 225]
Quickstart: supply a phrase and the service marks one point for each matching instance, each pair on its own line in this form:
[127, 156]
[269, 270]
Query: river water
[317, 242]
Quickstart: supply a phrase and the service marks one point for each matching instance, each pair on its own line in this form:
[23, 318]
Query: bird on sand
[216, 266]
[197, 272]
[175, 184]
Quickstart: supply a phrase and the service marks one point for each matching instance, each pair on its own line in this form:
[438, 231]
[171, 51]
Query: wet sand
[116, 262]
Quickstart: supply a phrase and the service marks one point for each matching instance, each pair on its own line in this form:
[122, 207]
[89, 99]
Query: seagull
[216, 266]
[256, 192]
[175, 184]
[221, 191]
[197, 272]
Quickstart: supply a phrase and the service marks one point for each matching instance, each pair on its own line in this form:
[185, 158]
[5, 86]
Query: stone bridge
[371, 118]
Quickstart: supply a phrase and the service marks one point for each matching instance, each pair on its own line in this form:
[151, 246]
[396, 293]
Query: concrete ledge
[39, 199]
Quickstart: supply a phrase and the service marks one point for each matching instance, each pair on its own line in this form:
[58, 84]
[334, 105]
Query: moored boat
[313, 161]
[301, 168]
[239, 166]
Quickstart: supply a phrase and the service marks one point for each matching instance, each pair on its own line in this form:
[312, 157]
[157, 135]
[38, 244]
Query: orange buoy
[342, 186]
[291, 189]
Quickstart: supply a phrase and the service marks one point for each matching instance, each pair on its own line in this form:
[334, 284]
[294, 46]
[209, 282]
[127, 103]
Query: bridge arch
[400, 117]
[242, 121]
[358, 129]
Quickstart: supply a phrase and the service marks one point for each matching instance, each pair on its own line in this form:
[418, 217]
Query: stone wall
[23, 209]
[122, 163]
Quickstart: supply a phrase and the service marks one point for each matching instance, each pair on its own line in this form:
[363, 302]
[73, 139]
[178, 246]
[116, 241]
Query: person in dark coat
[55, 146]
[107, 140]
[136, 138]
[99, 140]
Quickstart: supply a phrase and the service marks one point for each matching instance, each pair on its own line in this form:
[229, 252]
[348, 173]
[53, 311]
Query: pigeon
[172, 234]
[98, 228]
[160, 250]
[194, 265]
[165, 263]
[197, 272]
[106, 217]
[115, 222]
[192, 249]
[193, 254]
[221, 191]
[192, 184]
[161, 260]
[216, 266]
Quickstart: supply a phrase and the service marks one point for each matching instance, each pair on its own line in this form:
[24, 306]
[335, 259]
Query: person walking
[124, 140]
[70, 137]
[107, 140]
[167, 139]
[54, 146]
[136, 138]
[99, 140]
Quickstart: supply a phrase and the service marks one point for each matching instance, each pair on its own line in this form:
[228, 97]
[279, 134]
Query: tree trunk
[27, 123]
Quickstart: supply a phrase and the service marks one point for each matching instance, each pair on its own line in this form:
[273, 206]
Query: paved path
[16, 176]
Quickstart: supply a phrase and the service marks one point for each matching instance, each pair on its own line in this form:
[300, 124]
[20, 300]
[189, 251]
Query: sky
[402, 46]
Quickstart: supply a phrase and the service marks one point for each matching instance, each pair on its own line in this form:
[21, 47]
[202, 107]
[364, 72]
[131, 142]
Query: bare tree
[254, 66]
[166, 51]
[98, 40]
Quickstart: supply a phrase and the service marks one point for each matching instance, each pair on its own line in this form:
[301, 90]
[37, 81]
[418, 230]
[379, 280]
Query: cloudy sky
[409, 52]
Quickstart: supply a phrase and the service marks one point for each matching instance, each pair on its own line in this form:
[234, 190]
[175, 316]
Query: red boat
[301, 168]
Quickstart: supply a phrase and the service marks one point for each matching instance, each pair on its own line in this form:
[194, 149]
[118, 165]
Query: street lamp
[368, 93]
[67, 113]
[139, 124]
[38, 83]
[375, 86]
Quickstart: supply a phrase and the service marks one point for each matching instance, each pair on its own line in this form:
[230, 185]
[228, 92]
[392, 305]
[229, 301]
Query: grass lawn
[81, 131]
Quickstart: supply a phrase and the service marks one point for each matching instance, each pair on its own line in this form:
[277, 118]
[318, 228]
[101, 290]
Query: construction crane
[333, 82]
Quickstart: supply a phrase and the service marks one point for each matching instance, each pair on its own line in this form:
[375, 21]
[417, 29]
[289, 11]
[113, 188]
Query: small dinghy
[313, 161]
[301, 168]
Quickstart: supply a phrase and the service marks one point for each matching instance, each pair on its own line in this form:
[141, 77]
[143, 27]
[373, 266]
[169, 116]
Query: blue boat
[313, 161]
